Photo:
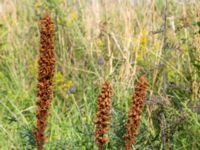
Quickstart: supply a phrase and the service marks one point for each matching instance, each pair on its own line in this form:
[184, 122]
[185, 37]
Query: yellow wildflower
[73, 17]
[143, 39]
[58, 78]
[156, 45]
[66, 85]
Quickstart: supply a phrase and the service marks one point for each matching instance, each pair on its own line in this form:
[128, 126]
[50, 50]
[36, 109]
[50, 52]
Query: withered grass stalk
[134, 114]
[45, 77]
[103, 114]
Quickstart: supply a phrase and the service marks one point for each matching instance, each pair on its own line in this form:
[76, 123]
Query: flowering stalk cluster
[135, 113]
[45, 77]
[103, 114]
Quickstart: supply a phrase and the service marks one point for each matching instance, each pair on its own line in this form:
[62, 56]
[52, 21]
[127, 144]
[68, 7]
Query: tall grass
[132, 40]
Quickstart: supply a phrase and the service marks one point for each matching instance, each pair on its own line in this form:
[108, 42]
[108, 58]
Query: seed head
[71, 90]
[100, 61]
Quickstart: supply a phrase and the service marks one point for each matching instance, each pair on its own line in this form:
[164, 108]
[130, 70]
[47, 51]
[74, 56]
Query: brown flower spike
[45, 77]
[135, 113]
[103, 114]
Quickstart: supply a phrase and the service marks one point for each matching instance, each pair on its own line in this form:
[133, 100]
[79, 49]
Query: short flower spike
[134, 114]
[103, 114]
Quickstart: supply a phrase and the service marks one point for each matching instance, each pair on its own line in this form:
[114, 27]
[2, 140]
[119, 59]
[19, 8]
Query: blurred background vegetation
[118, 40]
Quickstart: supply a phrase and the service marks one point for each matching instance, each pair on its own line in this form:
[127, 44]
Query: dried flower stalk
[45, 77]
[134, 114]
[103, 114]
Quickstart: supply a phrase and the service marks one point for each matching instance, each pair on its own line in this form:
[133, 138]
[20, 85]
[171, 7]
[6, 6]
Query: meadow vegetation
[97, 40]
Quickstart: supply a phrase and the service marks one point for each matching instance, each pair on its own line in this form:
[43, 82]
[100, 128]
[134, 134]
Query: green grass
[126, 37]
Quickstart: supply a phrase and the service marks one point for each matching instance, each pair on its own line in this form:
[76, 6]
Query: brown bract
[103, 114]
[45, 77]
[134, 114]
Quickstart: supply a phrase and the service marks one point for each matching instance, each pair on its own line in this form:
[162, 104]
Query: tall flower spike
[45, 76]
[103, 114]
[134, 114]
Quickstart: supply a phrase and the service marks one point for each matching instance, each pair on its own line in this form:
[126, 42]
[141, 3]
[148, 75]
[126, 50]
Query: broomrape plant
[103, 115]
[45, 76]
[134, 114]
